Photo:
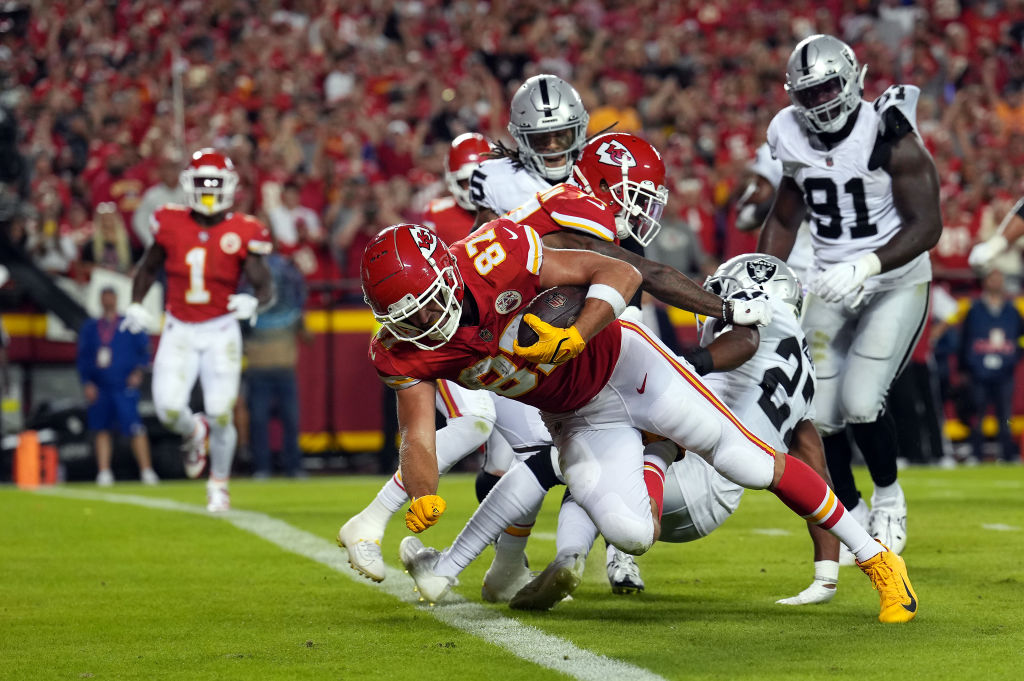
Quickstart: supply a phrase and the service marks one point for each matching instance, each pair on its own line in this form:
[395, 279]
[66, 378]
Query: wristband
[726, 312]
[608, 295]
[701, 360]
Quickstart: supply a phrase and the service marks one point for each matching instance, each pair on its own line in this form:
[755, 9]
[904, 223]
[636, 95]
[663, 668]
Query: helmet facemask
[562, 146]
[209, 192]
[641, 207]
[454, 179]
[443, 295]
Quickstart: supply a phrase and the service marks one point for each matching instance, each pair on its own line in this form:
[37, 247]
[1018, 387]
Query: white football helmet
[548, 122]
[753, 272]
[824, 82]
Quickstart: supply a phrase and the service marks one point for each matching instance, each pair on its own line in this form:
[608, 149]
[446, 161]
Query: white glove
[820, 591]
[757, 311]
[244, 306]
[136, 319]
[842, 279]
[984, 253]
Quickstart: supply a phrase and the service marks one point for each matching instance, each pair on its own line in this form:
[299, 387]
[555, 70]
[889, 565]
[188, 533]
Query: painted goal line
[523, 641]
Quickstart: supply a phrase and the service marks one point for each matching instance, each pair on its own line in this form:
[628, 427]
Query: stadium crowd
[338, 115]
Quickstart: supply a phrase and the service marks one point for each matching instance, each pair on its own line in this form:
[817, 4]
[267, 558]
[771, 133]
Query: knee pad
[540, 465]
[859, 407]
[485, 482]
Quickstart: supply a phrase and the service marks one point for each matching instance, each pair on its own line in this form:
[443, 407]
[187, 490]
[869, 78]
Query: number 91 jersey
[847, 190]
[204, 264]
[773, 390]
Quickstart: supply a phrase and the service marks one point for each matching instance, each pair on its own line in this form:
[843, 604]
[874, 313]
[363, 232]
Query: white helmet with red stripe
[209, 182]
[465, 155]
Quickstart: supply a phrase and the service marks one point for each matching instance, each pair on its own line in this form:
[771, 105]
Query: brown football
[558, 306]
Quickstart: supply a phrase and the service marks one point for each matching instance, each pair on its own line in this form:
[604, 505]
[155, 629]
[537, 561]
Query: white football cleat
[363, 548]
[623, 572]
[195, 447]
[860, 513]
[557, 582]
[217, 498]
[419, 562]
[105, 478]
[820, 591]
[888, 522]
[149, 477]
[504, 579]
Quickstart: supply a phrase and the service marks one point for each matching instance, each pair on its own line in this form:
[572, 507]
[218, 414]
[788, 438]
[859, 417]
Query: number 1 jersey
[204, 264]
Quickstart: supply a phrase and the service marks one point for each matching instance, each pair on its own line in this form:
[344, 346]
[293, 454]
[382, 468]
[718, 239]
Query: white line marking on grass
[771, 531]
[522, 640]
[1000, 527]
[543, 536]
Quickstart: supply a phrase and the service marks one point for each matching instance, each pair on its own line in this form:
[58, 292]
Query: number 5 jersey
[204, 264]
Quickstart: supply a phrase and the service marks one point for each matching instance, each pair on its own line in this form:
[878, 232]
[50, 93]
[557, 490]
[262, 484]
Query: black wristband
[701, 360]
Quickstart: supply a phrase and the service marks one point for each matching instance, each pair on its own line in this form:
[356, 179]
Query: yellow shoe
[888, 575]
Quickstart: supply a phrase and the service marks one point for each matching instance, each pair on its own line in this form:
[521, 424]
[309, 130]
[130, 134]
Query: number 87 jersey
[204, 264]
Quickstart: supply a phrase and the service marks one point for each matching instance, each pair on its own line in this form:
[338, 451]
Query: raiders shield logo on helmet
[761, 270]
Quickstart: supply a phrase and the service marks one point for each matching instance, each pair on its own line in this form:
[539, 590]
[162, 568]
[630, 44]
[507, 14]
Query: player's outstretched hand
[555, 345]
[136, 319]
[424, 512]
[842, 279]
[754, 312]
[244, 306]
[984, 253]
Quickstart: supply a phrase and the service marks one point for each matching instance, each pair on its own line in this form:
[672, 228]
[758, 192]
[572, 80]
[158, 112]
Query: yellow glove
[424, 512]
[554, 346]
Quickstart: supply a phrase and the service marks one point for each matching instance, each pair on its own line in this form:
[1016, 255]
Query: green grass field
[93, 589]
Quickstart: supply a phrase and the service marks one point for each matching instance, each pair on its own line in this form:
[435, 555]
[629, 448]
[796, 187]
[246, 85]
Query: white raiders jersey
[801, 256]
[850, 203]
[499, 186]
[773, 390]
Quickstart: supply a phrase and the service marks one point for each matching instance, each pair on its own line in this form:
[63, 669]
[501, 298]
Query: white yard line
[523, 641]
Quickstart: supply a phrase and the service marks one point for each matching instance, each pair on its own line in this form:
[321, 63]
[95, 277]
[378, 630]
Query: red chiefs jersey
[204, 264]
[500, 265]
[567, 208]
[448, 220]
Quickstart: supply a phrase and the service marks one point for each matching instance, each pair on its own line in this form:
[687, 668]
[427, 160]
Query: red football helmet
[404, 269]
[209, 182]
[626, 172]
[466, 153]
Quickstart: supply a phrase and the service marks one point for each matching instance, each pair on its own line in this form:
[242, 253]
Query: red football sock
[654, 478]
[806, 493]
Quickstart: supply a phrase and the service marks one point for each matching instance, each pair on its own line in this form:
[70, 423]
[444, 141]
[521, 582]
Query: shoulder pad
[892, 127]
[900, 99]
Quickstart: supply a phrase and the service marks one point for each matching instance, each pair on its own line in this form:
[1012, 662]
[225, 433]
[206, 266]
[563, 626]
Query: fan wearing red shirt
[204, 249]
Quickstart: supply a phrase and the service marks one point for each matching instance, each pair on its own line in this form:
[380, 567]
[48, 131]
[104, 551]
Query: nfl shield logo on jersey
[761, 270]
